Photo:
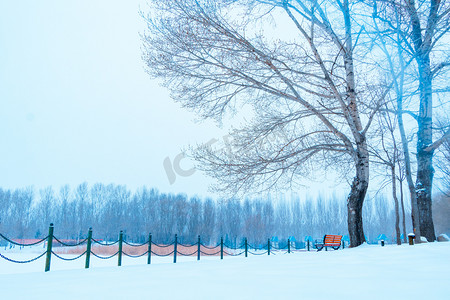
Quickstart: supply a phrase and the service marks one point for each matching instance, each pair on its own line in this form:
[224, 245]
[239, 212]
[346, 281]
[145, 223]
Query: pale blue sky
[76, 104]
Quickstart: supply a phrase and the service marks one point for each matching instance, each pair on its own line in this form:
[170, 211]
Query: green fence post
[149, 256]
[268, 246]
[343, 244]
[198, 248]
[49, 248]
[175, 250]
[246, 247]
[119, 260]
[221, 248]
[307, 243]
[88, 248]
[289, 245]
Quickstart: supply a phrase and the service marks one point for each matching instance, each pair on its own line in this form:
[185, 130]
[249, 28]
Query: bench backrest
[330, 239]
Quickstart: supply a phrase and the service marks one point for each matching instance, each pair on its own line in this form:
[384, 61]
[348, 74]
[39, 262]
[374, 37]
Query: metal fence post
[289, 245]
[88, 248]
[119, 260]
[198, 248]
[49, 248]
[268, 246]
[149, 255]
[343, 244]
[307, 244]
[246, 247]
[175, 250]
[221, 248]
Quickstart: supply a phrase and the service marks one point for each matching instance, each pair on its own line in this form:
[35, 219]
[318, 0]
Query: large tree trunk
[356, 198]
[423, 190]
[361, 156]
[425, 169]
[424, 180]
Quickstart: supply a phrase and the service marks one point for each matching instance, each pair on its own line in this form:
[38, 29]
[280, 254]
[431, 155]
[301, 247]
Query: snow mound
[443, 238]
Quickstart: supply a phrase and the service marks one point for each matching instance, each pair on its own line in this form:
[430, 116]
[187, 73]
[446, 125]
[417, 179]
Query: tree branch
[438, 142]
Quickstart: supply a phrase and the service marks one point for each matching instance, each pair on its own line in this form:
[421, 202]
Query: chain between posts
[69, 245]
[210, 254]
[134, 256]
[163, 255]
[214, 247]
[187, 254]
[254, 253]
[22, 261]
[68, 259]
[104, 257]
[102, 244]
[231, 254]
[135, 245]
[23, 244]
[163, 246]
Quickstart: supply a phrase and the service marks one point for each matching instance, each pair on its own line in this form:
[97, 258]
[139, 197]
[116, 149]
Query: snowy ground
[367, 272]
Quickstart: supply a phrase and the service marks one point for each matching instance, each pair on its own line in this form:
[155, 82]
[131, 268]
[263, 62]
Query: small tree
[387, 154]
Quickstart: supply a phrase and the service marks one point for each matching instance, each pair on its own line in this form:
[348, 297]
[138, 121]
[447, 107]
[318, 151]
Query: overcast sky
[77, 105]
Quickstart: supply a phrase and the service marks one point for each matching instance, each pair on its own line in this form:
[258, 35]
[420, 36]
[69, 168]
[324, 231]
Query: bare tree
[304, 87]
[45, 206]
[387, 154]
[195, 215]
[401, 178]
[208, 219]
[420, 29]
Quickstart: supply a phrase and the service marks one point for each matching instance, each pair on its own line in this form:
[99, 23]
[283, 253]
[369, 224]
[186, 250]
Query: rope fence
[149, 248]
[104, 244]
[22, 261]
[69, 245]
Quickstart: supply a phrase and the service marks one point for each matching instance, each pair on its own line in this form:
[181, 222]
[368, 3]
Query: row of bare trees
[331, 84]
[110, 208]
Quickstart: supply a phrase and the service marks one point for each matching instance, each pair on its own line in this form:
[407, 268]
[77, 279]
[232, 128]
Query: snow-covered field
[367, 272]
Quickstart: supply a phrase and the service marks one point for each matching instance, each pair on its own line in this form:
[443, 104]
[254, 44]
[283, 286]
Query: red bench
[329, 240]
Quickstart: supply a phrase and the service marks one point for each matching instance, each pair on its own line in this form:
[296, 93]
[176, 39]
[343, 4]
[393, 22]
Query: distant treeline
[111, 208]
